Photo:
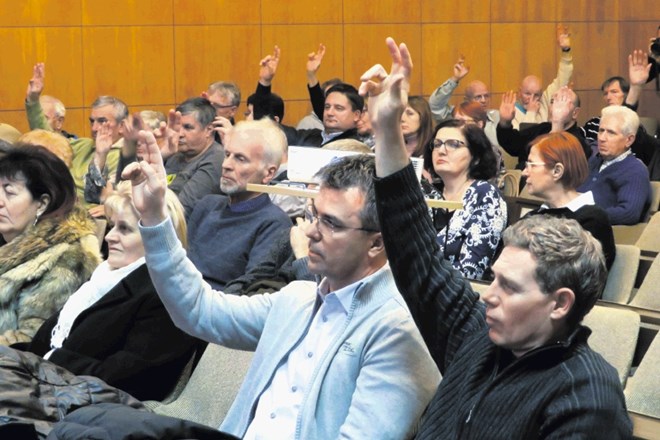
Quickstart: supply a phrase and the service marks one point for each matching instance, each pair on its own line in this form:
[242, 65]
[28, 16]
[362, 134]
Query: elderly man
[516, 365]
[51, 108]
[618, 180]
[339, 360]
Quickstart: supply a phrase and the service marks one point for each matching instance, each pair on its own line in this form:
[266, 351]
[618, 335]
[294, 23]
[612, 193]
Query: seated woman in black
[556, 166]
[114, 326]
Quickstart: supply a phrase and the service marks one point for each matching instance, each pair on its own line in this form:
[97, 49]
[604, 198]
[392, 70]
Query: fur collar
[44, 235]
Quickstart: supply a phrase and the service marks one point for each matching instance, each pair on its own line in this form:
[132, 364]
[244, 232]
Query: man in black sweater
[516, 365]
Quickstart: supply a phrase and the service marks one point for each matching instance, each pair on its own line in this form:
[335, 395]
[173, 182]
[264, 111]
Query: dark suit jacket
[312, 137]
[126, 338]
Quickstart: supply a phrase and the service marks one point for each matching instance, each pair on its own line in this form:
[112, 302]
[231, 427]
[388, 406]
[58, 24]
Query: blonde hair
[122, 198]
[51, 141]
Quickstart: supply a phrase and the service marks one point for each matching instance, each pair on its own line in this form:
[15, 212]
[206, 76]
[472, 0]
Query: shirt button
[272, 415]
[294, 388]
[325, 319]
[310, 354]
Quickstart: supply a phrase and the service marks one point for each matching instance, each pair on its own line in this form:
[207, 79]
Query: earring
[36, 219]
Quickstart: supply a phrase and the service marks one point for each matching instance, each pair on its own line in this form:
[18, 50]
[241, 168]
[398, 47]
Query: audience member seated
[316, 90]
[49, 247]
[516, 364]
[229, 234]
[417, 126]
[137, 349]
[556, 167]
[618, 180]
[327, 348]
[364, 129]
[225, 97]
[107, 112]
[462, 157]
[194, 164]
[534, 107]
[564, 109]
[51, 141]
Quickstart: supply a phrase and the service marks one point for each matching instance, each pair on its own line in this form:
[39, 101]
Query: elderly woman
[48, 244]
[556, 166]
[462, 157]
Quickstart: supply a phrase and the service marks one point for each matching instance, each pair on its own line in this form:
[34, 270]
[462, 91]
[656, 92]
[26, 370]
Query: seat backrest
[643, 389]
[511, 183]
[649, 124]
[614, 335]
[648, 295]
[655, 200]
[212, 387]
[649, 240]
[622, 274]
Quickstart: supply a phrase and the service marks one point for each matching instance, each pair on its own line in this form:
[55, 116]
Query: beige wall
[154, 53]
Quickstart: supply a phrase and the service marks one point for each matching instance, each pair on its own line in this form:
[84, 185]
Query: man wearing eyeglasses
[339, 360]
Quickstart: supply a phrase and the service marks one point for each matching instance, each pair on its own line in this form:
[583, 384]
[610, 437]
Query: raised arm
[439, 100]
[267, 70]
[35, 114]
[638, 74]
[316, 95]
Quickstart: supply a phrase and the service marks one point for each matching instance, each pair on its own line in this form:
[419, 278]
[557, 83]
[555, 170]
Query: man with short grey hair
[225, 97]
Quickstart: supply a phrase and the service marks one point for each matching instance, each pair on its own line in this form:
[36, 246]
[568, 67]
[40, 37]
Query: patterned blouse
[474, 232]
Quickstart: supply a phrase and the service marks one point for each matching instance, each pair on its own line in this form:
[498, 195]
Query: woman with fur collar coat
[50, 247]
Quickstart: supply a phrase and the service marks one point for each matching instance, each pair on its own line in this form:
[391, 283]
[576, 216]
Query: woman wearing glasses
[461, 156]
[556, 166]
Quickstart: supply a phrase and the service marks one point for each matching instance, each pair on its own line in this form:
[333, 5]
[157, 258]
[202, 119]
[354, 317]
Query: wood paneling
[127, 12]
[207, 12]
[300, 12]
[202, 58]
[383, 11]
[521, 49]
[588, 10]
[591, 103]
[295, 43]
[442, 44]
[445, 11]
[508, 11]
[639, 10]
[58, 48]
[295, 111]
[132, 63]
[634, 35]
[365, 46]
[40, 13]
[594, 62]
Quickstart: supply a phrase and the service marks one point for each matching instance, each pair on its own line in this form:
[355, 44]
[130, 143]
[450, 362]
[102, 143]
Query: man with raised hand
[516, 365]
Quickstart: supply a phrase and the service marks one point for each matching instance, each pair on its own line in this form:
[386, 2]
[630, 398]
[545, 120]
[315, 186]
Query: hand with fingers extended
[508, 108]
[223, 127]
[149, 181]
[167, 135]
[298, 238]
[36, 84]
[313, 64]
[534, 104]
[268, 67]
[460, 69]
[563, 37]
[562, 107]
[102, 145]
[638, 68]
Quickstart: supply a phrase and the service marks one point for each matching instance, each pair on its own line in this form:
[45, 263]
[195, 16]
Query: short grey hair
[120, 108]
[566, 256]
[58, 106]
[227, 89]
[272, 137]
[628, 118]
[357, 171]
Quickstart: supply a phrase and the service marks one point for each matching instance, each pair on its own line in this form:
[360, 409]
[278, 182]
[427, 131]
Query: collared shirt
[619, 158]
[584, 199]
[280, 403]
[327, 137]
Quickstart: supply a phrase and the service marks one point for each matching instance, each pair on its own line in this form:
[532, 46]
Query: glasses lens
[452, 143]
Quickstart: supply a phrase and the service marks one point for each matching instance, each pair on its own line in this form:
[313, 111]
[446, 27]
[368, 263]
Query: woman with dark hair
[556, 166]
[417, 125]
[461, 156]
[48, 243]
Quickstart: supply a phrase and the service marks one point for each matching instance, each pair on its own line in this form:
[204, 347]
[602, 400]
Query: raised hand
[561, 108]
[223, 127]
[638, 68]
[268, 67]
[563, 37]
[36, 83]
[167, 135]
[460, 69]
[149, 181]
[103, 141]
[313, 64]
[534, 104]
[298, 238]
[508, 107]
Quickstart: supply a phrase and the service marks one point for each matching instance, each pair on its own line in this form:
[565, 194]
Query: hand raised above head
[268, 67]
[563, 37]
[638, 68]
[149, 181]
[460, 69]
[562, 106]
[314, 59]
[36, 84]
[508, 107]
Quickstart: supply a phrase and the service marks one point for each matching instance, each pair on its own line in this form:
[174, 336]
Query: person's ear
[630, 139]
[558, 171]
[564, 300]
[44, 201]
[269, 174]
[205, 95]
[377, 246]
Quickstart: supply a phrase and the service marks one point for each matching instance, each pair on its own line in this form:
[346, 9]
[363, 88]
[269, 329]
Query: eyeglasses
[453, 144]
[484, 97]
[530, 164]
[220, 106]
[325, 225]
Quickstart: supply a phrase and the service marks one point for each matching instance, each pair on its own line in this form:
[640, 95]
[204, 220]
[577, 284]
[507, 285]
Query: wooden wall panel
[593, 46]
[207, 12]
[74, 123]
[383, 11]
[40, 13]
[132, 63]
[300, 12]
[15, 118]
[521, 49]
[591, 103]
[365, 46]
[127, 13]
[588, 10]
[295, 110]
[442, 44]
[202, 58]
[295, 43]
[59, 48]
[508, 11]
[639, 10]
[445, 11]
[649, 103]
[634, 35]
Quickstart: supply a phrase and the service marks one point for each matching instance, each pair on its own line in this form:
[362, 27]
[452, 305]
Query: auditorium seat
[643, 389]
[648, 295]
[622, 274]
